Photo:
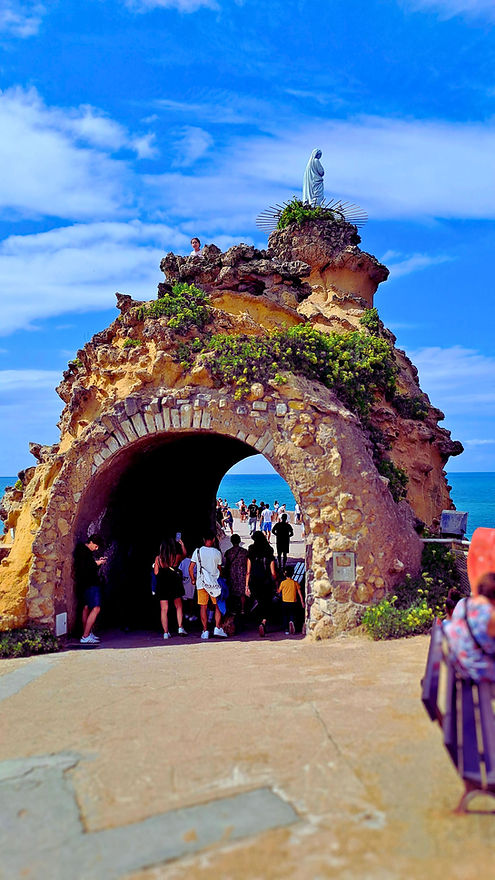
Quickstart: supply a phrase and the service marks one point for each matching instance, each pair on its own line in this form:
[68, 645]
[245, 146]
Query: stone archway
[314, 443]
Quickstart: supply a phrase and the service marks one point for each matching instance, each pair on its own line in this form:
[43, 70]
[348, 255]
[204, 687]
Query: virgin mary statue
[313, 180]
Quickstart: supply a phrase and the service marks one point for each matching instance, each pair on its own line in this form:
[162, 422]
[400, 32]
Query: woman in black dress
[169, 587]
[260, 577]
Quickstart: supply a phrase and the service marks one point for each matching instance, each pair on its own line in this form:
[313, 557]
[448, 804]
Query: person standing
[169, 586]
[283, 532]
[252, 516]
[266, 522]
[290, 590]
[87, 575]
[196, 247]
[208, 561]
[297, 511]
[260, 577]
[235, 573]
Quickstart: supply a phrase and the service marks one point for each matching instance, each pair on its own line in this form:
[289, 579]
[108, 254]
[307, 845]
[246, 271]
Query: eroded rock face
[128, 394]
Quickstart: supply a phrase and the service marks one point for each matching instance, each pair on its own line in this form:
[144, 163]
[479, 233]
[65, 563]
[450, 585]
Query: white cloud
[450, 8]
[179, 5]
[479, 442]
[20, 19]
[400, 265]
[79, 268]
[16, 380]
[392, 168]
[193, 143]
[459, 380]
[58, 162]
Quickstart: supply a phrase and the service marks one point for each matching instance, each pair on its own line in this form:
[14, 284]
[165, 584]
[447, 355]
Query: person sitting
[470, 633]
[196, 248]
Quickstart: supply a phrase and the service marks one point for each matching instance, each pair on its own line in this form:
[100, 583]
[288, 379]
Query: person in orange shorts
[204, 571]
[290, 590]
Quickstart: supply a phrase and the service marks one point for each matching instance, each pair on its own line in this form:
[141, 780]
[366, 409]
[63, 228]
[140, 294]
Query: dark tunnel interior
[148, 491]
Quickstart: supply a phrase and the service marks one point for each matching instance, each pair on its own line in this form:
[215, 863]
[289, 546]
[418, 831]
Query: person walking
[260, 577]
[266, 522]
[290, 590]
[208, 561]
[235, 573]
[253, 516]
[169, 585]
[283, 532]
[88, 585]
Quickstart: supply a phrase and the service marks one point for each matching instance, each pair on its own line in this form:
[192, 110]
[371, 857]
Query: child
[290, 589]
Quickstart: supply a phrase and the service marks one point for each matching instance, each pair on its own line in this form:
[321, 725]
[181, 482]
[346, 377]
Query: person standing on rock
[87, 575]
[283, 532]
[196, 248]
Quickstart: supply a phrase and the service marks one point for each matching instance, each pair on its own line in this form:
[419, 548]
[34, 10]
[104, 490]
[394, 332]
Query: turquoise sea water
[474, 492]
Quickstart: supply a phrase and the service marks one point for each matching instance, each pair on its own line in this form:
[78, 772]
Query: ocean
[474, 492]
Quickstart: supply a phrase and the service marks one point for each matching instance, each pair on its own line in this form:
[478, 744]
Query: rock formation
[149, 429]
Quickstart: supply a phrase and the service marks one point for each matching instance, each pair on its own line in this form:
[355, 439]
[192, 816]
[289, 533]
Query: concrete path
[263, 759]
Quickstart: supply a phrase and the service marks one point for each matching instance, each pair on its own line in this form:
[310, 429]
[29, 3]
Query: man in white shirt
[266, 522]
[207, 560]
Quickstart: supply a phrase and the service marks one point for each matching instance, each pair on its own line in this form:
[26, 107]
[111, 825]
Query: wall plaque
[344, 566]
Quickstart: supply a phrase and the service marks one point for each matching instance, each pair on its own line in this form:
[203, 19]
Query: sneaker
[89, 640]
[286, 632]
[220, 632]
[205, 634]
[166, 635]
[292, 628]
[182, 631]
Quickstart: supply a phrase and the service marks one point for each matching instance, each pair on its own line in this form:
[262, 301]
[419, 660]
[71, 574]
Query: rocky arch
[314, 443]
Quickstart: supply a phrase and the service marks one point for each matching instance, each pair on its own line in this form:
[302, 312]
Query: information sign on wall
[344, 566]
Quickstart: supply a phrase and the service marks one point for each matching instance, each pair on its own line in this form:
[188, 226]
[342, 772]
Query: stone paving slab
[335, 730]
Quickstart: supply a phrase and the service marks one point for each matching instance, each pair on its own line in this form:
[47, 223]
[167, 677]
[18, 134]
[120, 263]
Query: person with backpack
[260, 577]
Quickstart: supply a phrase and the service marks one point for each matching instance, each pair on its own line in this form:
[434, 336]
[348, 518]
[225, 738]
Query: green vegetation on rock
[411, 407]
[371, 321]
[417, 601]
[299, 212]
[26, 641]
[354, 365]
[131, 343]
[396, 476]
[186, 307]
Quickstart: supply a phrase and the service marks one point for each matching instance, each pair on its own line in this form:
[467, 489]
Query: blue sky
[126, 126]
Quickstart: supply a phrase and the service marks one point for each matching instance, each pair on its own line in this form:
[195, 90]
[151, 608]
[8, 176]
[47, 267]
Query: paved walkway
[239, 760]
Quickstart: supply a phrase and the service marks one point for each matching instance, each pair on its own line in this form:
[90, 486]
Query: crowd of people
[222, 591]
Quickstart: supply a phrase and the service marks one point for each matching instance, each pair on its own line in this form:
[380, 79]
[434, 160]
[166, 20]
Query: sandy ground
[110, 755]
